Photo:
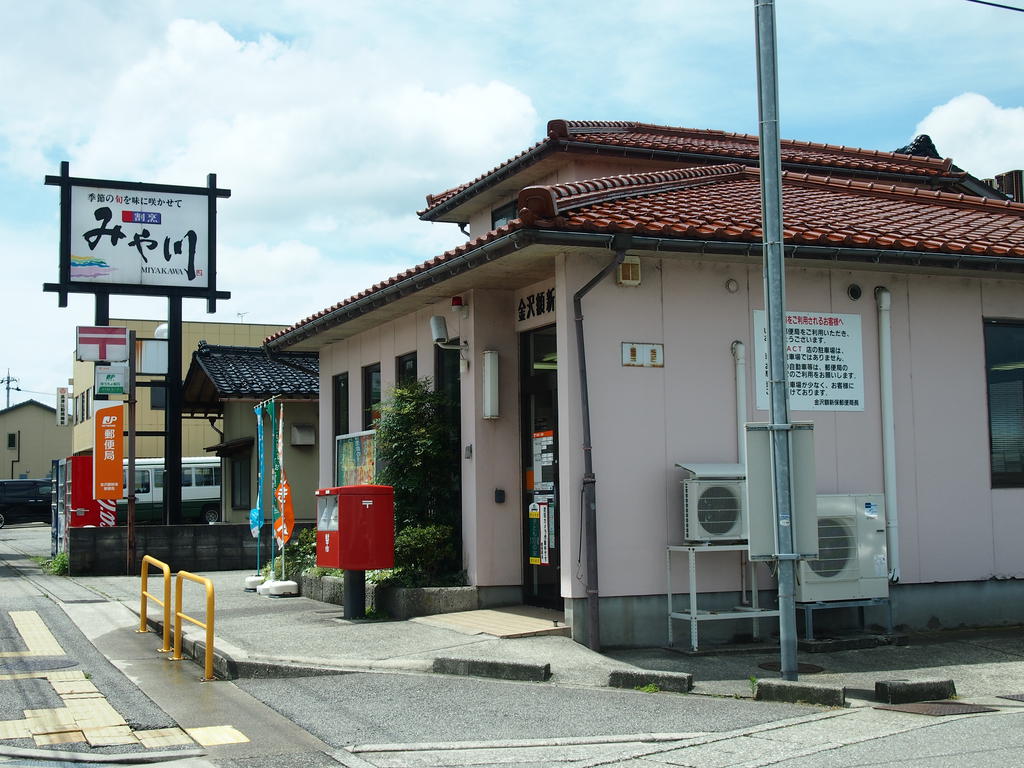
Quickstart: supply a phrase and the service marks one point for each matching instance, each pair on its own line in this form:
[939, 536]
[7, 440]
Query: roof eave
[524, 237]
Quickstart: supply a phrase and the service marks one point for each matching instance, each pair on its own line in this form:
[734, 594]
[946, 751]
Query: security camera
[438, 329]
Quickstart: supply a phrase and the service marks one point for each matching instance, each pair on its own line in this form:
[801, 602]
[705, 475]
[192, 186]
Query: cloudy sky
[330, 120]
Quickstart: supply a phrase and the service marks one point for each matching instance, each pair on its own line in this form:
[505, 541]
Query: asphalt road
[396, 708]
[76, 653]
[389, 720]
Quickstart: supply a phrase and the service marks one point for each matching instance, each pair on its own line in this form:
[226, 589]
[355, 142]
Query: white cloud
[981, 137]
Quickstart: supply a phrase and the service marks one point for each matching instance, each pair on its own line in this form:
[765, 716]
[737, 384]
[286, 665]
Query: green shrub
[299, 556]
[417, 455]
[424, 556]
[58, 565]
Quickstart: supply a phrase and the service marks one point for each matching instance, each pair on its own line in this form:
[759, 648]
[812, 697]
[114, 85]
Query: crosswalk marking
[37, 638]
[86, 716]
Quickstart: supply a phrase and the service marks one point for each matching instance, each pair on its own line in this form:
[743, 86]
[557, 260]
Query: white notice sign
[824, 361]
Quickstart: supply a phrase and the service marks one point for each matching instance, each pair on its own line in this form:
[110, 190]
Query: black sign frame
[66, 285]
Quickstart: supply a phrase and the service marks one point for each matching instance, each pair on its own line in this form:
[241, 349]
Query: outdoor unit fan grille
[837, 548]
[712, 511]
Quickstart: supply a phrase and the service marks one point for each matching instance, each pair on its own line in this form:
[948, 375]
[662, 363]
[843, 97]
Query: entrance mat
[937, 708]
[1013, 696]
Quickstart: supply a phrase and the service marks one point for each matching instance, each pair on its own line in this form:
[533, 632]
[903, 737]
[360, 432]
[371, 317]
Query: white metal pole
[775, 299]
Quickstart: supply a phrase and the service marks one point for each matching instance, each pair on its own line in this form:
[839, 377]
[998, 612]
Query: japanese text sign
[108, 452]
[824, 361]
[139, 238]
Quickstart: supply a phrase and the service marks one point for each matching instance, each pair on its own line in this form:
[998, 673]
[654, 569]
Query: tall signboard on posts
[140, 239]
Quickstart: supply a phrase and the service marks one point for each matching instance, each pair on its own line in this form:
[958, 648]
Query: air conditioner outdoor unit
[851, 546]
[714, 508]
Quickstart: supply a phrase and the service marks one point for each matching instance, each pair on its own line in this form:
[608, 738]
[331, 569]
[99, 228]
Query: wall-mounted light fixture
[732, 285]
[490, 377]
[461, 306]
[439, 335]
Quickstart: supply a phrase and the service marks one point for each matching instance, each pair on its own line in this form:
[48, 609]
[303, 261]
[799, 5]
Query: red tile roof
[722, 203]
[703, 146]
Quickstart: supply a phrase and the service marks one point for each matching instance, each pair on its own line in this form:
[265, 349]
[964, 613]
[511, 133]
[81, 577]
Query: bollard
[166, 602]
[208, 626]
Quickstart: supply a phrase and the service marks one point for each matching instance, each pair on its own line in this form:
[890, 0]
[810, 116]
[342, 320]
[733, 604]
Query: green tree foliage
[414, 451]
[415, 456]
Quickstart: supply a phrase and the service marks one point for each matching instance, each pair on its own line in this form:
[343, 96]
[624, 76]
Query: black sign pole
[172, 415]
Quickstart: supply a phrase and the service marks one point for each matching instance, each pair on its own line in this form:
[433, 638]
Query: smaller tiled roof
[921, 146]
[253, 373]
[707, 146]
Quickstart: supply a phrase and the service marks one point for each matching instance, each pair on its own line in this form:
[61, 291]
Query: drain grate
[801, 667]
[937, 708]
[1014, 697]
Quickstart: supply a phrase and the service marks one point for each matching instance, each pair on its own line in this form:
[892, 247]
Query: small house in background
[228, 382]
[32, 440]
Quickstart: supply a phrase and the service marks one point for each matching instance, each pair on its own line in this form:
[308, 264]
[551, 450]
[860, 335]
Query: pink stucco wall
[953, 526]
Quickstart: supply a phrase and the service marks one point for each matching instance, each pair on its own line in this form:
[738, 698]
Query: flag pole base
[252, 582]
[278, 589]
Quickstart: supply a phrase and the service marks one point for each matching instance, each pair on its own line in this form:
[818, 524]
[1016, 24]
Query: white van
[200, 491]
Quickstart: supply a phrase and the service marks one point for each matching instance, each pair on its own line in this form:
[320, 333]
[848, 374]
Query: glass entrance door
[541, 533]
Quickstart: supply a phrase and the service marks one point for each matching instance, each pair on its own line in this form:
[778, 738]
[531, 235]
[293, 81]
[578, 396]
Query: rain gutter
[522, 238]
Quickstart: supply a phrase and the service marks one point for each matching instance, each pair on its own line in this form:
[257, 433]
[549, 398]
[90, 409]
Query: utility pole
[775, 301]
[7, 380]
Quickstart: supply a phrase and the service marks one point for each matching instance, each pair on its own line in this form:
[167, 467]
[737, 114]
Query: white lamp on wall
[490, 395]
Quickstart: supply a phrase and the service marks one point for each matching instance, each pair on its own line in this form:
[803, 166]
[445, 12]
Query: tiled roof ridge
[560, 130]
[212, 349]
[433, 200]
[543, 202]
[896, 190]
[566, 128]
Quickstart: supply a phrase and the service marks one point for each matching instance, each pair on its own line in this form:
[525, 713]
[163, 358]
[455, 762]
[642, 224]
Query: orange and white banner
[108, 453]
[286, 522]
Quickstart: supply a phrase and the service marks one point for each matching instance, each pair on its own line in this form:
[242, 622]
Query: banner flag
[256, 514]
[286, 522]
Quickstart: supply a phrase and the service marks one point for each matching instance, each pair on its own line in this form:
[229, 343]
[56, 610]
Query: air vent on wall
[628, 272]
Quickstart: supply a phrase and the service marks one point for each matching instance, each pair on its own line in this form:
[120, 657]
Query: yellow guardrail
[146, 596]
[208, 626]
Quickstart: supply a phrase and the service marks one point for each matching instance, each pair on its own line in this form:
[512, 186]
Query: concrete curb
[131, 758]
[501, 670]
[794, 692]
[909, 691]
[674, 682]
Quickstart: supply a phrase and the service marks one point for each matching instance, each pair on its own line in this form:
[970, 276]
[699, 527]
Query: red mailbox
[355, 527]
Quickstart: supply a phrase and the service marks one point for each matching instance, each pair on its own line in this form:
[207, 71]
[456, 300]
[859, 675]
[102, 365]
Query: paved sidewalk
[283, 636]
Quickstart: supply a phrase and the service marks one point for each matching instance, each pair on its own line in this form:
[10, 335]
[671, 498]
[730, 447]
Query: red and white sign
[102, 344]
[284, 524]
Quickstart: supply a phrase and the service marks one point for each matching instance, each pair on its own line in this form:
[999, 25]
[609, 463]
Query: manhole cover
[937, 708]
[801, 667]
[1014, 697]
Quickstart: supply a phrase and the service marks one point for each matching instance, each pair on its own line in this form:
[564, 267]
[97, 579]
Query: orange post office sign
[108, 453]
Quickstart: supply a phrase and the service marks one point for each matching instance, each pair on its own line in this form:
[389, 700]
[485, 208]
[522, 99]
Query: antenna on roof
[241, 316]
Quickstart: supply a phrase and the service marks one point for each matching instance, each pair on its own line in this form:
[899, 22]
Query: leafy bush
[299, 556]
[58, 565]
[427, 552]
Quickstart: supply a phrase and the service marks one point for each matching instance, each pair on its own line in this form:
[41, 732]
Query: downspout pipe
[739, 356]
[589, 492]
[892, 538]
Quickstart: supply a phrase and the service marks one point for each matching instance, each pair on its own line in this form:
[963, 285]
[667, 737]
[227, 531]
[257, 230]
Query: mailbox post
[356, 532]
